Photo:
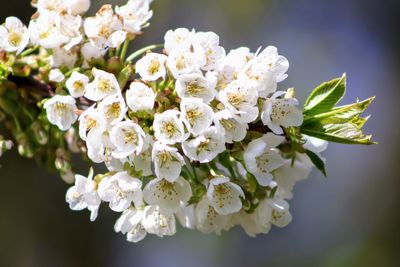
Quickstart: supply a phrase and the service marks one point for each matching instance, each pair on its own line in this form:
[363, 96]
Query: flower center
[168, 188]
[192, 115]
[113, 111]
[78, 86]
[104, 85]
[263, 162]
[131, 137]
[193, 88]
[105, 31]
[154, 67]
[204, 145]
[180, 62]
[14, 38]
[235, 99]
[61, 108]
[169, 129]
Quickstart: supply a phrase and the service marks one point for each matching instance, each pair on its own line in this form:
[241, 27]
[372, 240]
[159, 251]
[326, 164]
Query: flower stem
[29, 51]
[124, 50]
[142, 51]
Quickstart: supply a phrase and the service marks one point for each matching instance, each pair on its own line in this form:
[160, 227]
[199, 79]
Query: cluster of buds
[191, 133]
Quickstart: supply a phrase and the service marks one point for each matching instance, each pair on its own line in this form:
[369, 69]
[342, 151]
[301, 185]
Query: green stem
[29, 51]
[142, 51]
[17, 124]
[124, 50]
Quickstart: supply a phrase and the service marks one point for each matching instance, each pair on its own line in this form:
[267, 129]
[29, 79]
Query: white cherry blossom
[128, 138]
[61, 57]
[224, 196]
[241, 100]
[226, 122]
[129, 223]
[207, 219]
[213, 52]
[92, 52]
[167, 195]
[196, 115]
[257, 222]
[143, 161]
[91, 122]
[46, 30]
[135, 14]
[84, 195]
[77, 7]
[14, 35]
[178, 39]
[195, 85]
[274, 62]
[155, 222]
[262, 157]
[168, 127]
[230, 66]
[76, 84]
[206, 146]
[121, 191]
[264, 71]
[113, 109]
[104, 84]
[151, 67]
[55, 75]
[140, 97]
[71, 28]
[61, 111]
[50, 5]
[281, 112]
[167, 161]
[106, 28]
[280, 216]
[182, 61]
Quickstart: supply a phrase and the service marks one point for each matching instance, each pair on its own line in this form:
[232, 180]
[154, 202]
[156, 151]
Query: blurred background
[350, 218]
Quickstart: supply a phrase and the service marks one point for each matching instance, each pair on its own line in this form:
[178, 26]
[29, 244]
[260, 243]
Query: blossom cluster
[192, 133]
[163, 138]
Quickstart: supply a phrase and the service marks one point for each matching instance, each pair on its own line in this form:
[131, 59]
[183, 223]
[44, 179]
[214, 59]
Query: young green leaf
[325, 96]
[317, 161]
[341, 114]
[345, 133]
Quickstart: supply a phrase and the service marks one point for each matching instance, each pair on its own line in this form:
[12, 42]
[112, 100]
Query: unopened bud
[39, 133]
[25, 148]
[63, 160]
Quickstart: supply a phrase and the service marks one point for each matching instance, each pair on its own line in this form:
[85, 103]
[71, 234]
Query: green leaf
[325, 96]
[317, 161]
[341, 114]
[345, 133]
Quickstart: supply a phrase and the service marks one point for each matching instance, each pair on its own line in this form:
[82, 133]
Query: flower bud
[25, 148]
[4, 145]
[39, 133]
[63, 160]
